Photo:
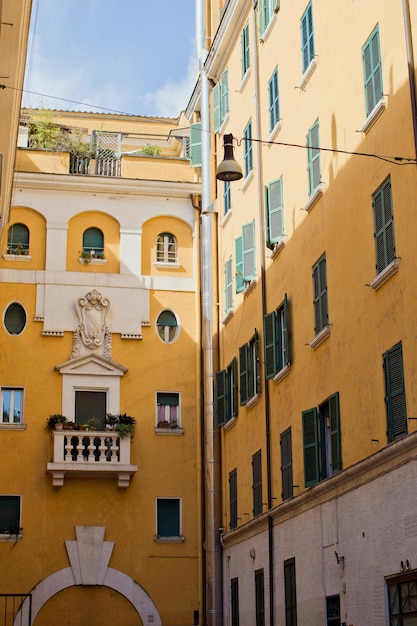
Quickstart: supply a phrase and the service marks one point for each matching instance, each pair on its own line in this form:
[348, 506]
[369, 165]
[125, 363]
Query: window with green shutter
[290, 592]
[313, 158]
[228, 285]
[384, 226]
[266, 10]
[220, 101]
[227, 197]
[226, 398]
[247, 148]
[15, 318]
[274, 213]
[371, 56]
[395, 393]
[286, 464]
[248, 234]
[233, 499]
[276, 339]
[244, 40]
[18, 239]
[234, 601]
[240, 282]
[93, 241]
[257, 483]
[168, 517]
[195, 145]
[321, 313]
[249, 366]
[259, 598]
[273, 97]
[307, 37]
[10, 515]
[322, 441]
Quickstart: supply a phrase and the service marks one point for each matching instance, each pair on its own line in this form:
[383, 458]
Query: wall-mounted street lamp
[229, 169]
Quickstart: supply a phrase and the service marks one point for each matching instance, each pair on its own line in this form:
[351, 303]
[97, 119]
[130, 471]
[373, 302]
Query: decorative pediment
[91, 365]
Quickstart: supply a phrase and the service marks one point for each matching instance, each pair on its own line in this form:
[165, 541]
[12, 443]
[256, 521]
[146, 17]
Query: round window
[15, 318]
[167, 326]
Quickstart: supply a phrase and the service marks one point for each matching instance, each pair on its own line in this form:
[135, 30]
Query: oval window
[15, 318]
[167, 326]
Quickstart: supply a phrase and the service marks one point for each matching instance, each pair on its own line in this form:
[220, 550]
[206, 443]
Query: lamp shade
[229, 169]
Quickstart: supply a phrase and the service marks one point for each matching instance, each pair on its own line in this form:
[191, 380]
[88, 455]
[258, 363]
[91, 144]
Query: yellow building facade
[314, 386]
[100, 308]
[14, 33]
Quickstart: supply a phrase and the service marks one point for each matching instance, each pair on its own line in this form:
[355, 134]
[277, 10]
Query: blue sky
[131, 56]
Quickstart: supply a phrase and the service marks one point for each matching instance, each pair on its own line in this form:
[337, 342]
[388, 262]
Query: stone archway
[89, 556]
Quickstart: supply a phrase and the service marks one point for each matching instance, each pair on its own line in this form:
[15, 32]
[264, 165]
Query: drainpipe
[261, 222]
[410, 63]
[213, 601]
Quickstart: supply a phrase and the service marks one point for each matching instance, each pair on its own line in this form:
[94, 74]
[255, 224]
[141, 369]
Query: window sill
[274, 133]
[245, 79]
[7, 426]
[161, 265]
[92, 261]
[385, 275]
[320, 337]
[314, 198]
[226, 218]
[307, 74]
[228, 317]
[254, 400]
[268, 29]
[230, 423]
[251, 286]
[179, 539]
[376, 112]
[283, 373]
[169, 431]
[278, 247]
[13, 538]
[224, 123]
[247, 180]
[17, 257]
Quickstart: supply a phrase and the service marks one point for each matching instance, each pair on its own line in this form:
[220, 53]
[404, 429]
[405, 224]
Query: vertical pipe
[261, 225]
[411, 66]
[211, 436]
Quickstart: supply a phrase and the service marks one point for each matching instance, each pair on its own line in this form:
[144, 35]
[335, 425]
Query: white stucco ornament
[93, 330]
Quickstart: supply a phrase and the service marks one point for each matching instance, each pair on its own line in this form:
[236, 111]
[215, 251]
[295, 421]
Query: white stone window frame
[165, 256]
[166, 339]
[178, 430]
[12, 425]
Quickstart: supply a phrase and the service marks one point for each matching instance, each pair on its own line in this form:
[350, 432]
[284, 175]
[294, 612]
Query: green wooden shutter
[243, 375]
[395, 393]
[384, 227]
[274, 213]
[262, 17]
[248, 231]
[9, 515]
[168, 517]
[224, 88]
[259, 598]
[233, 499]
[234, 386]
[270, 344]
[228, 280]
[286, 333]
[307, 37]
[321, 317]
[273, 97]
[313, 155]
[221, 397]
[217, 120]
[371, 56]
[286, 464]
[257, 483]
[93, 239]
[195, 145]
[240, 283]
[244, 39]
[311, 447]
[15, 318]
[335, 435]
[167, 399]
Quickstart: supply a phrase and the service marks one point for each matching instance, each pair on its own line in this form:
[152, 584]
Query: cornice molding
[92, 184]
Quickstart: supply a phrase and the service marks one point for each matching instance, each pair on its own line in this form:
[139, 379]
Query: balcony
[91, 454]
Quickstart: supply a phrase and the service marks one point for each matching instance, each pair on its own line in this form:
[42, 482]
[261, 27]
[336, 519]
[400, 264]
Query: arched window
[167, 326]
[93, 242]
[15, 318]
[166, 248]
[18, 239]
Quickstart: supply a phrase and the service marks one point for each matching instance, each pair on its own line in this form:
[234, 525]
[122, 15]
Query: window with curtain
[166, 248]
[168, 404]
[167, 326]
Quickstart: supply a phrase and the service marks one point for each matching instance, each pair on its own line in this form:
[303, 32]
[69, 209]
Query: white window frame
[167, 416]
[14, 536]
[163, 253]
[173, 538]
[165, 338]
[12, 423]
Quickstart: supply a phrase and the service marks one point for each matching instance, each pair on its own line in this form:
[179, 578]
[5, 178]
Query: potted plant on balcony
[111, 421]
[126, 425]
[56, 421]
[90, 424]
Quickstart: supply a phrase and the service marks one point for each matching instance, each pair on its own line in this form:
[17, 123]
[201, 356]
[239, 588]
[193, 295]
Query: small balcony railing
[91, 453]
